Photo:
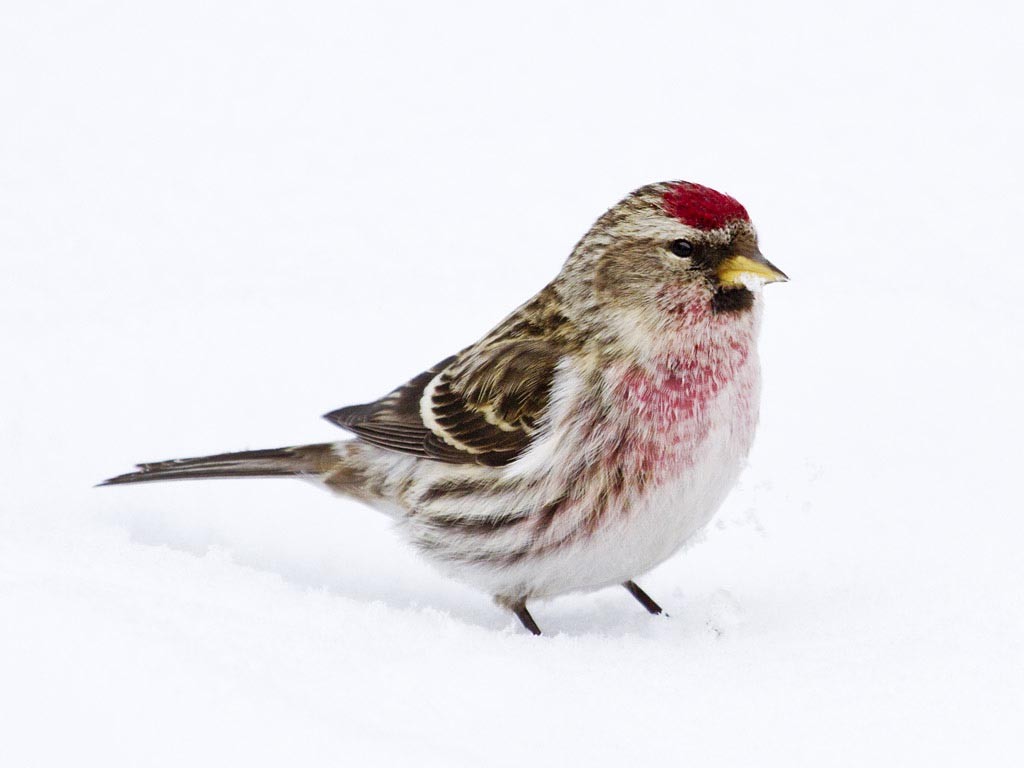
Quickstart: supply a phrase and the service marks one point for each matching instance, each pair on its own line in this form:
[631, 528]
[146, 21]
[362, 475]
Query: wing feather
[483, 405]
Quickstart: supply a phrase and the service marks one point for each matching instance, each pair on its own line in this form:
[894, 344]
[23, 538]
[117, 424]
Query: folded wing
[482, 406]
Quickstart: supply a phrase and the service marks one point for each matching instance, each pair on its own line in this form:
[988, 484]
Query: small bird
[584, 439]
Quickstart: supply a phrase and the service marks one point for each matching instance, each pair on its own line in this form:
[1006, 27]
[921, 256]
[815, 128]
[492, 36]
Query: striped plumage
[585, 438]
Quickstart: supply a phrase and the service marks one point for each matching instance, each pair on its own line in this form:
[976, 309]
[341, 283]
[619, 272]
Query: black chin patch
[732, 300]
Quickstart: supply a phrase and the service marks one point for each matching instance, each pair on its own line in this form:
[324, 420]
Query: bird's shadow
[385, 571]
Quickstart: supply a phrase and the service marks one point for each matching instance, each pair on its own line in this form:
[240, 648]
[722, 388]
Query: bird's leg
[518, 606]
[642, 597]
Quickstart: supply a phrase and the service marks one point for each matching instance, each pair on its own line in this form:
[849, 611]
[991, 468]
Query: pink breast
[679, 389]
[667, 408]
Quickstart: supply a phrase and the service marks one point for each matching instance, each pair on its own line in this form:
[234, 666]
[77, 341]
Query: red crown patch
[702, 207]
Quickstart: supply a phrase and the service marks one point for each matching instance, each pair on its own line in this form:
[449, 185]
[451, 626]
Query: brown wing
[482, 406]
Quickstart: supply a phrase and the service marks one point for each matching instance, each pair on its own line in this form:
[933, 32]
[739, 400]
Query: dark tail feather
[275, 462]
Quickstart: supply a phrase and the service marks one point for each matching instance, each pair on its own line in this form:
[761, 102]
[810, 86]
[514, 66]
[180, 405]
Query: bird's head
[669, 252]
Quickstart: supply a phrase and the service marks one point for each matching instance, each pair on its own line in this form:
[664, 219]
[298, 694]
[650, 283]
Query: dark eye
[681, 248]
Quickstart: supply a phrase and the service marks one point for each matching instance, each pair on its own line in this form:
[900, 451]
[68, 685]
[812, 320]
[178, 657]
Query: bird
[584, 439]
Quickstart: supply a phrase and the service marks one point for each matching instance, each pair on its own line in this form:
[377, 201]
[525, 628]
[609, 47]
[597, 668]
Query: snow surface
[218, 221]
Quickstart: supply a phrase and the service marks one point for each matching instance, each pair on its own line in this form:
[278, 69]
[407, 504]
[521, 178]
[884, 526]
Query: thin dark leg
[642, 597]
[524, 616]
[518, 607]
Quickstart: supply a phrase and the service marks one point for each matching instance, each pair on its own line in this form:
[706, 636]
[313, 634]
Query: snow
[218, 221]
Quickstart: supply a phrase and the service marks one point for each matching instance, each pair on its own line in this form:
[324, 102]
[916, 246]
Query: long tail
[275, 462]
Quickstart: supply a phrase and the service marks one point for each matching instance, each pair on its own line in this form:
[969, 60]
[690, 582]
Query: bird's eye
[681, 248]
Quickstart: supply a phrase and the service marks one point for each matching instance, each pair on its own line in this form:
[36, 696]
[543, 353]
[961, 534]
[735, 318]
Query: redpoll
[588, 436]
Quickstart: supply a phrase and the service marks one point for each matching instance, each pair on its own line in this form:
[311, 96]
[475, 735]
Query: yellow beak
[749, 271]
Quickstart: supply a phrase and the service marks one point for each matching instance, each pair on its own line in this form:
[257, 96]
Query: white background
[220, 220]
